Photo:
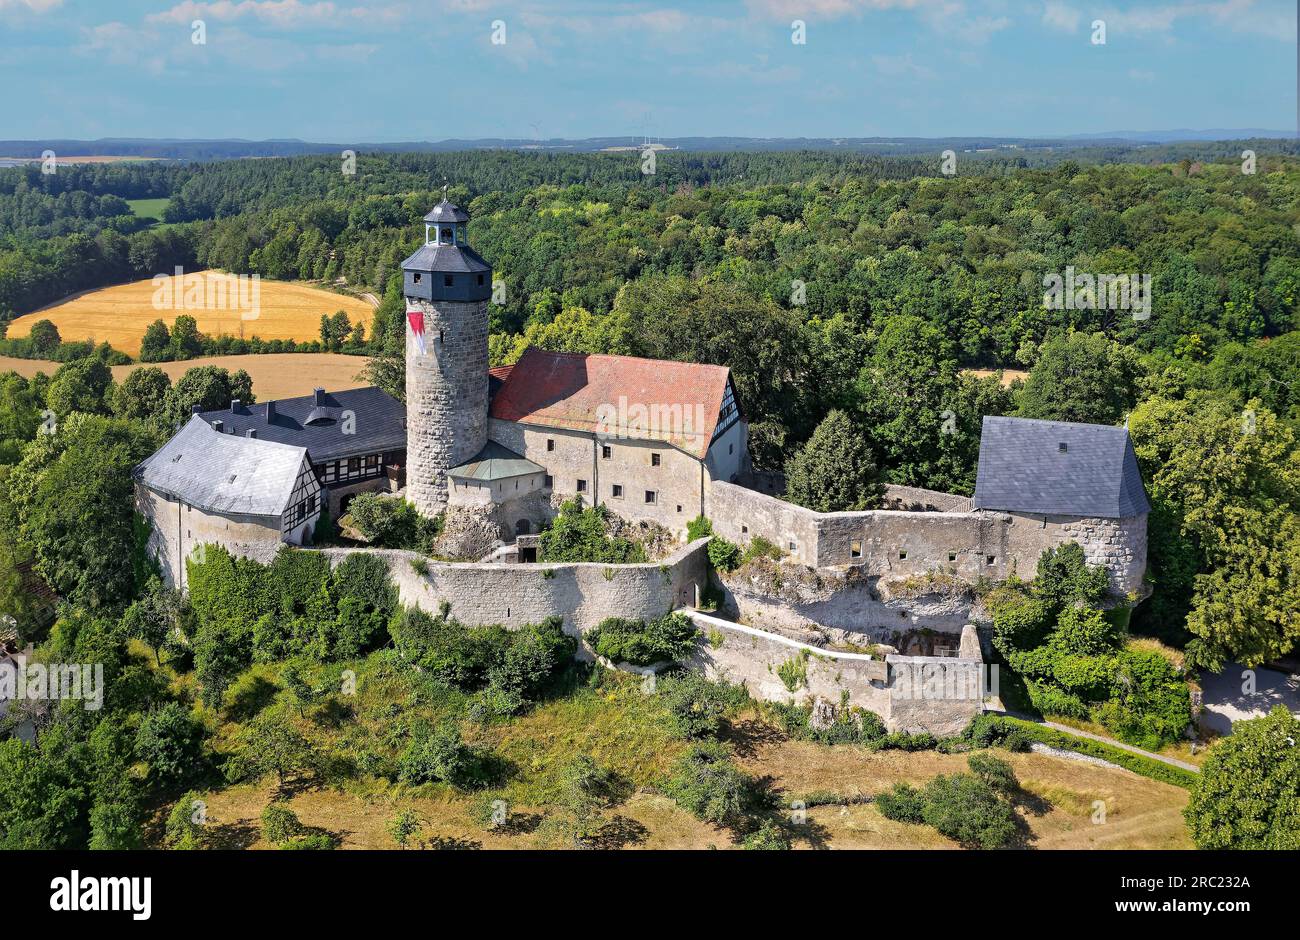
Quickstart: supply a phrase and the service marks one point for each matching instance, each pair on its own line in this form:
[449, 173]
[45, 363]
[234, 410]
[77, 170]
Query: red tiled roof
[500, 372]
[621, 396]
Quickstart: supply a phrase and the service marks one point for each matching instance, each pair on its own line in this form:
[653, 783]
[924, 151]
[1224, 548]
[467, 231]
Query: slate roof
[1022, 468]
[223, 473]
[447, 212]
[446, 259]
[380, 423]
[495, 462]
[576, 390]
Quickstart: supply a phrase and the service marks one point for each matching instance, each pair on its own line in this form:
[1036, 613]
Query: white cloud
[1061, 16]
[35, 6]
[946, 17]
[281, 14]
[1239, 16]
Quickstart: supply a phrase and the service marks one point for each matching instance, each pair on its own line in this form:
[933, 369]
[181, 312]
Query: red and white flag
[415, 317]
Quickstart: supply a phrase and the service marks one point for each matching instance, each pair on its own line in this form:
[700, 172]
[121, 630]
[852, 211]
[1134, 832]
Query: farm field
[275, 375]
[120, 314]
[149, 208]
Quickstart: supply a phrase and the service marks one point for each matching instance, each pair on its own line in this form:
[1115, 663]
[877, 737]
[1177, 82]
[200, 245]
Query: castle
[654, 441]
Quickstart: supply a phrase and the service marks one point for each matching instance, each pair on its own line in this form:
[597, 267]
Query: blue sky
[384, 70]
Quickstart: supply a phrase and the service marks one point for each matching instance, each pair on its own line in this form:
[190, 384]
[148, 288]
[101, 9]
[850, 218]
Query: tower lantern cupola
[446, 267]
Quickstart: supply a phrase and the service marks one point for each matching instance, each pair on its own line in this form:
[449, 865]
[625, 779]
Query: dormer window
[1061, 447]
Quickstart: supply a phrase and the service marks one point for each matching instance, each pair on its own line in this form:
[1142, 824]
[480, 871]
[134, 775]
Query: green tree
[271, 744]
[170, 742]
[81, 385]
[45, 339]
[834, 471]
[1248, 793]
[210, 388]
[1083, 377]
[186, 340]
[156, 344]
[142, 394]
[403, 826]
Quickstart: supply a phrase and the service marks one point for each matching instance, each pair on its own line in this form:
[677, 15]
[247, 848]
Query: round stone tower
[447, 287]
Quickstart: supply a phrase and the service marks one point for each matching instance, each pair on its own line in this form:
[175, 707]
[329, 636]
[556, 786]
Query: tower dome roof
[446, 211]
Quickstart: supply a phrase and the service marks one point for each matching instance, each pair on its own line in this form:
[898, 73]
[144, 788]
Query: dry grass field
[119, 315]
[275, 375]
[1056, 805]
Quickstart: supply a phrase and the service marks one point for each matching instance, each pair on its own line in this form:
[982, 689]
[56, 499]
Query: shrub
[994, 771]
[1248, 794]
[668, 639]
[170, 742]
[698, 528]
[386, 522]
[279, 823]
[697, 706]
[309, 841]
[182, 830]
[438, 756]
[850, 726]
[708, 785]
[1064, 577]
[794, 671]
[579, 534]
[767, 838]
[968, 810]
[903, 803]
[723, 555]
[534, 656]
[760, 547]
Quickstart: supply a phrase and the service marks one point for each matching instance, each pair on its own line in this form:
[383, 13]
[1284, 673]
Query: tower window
[446, 280]
[582, 486]
[855, 549]
[606, 451]
[651, 497]
[550, 444]
[442, 336]
[480, 280]
[655, 460]
[416, 277]
[446, 236]
[617, 491]
[548, 481]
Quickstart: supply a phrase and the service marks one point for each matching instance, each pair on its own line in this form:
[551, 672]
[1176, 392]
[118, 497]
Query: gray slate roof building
[447, 211]
[1058, 468]
[224, 473]
[316, 422]
[495, 462]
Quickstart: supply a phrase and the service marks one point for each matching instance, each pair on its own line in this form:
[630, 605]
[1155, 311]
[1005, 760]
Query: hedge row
[1156, 770]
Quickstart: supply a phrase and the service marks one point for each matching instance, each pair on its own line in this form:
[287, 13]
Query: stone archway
[523, 527]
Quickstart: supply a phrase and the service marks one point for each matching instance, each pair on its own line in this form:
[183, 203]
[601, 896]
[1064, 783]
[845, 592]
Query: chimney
[318, 396]
[195, 409]
[217, 426]
[235, 404]
[270, 412]
[251, 433]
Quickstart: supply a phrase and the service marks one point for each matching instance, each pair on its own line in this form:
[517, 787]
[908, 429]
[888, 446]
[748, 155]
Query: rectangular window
[548, 481]
[617, 491]
[654, 460]
[550, 444]
[679, 508]
[902, 556]
[354, 465]
[952, 556]
[582, 486]
[606, 451]
[651, 497]
[446, 280]
[855, 549]
[417, 277]
[990, 559]
[793, 547]
[744, 530]
[480, 280]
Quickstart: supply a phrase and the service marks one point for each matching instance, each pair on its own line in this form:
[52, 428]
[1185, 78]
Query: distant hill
[236, 148]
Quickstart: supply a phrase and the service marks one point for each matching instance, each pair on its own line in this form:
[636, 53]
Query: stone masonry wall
[910, 693]
[446, 397]
[583, 594]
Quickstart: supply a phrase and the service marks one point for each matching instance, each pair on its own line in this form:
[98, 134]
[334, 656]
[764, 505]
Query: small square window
[744, 530]
[446, 280]
[618, 490]
[416, 277]
[679, 508]
[952, 556]
[793, 547]
[655, 460]
[990, 559]
[1062, 447]
[855, 549]
[606, 451]
[550, 444]
[651, 497]
[902, 556]
[582, 486]
[480, 280]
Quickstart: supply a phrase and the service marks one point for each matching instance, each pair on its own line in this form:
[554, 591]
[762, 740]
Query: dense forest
[851, 295]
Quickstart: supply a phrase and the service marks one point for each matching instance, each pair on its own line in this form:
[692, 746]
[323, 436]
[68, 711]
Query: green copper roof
[495, 462]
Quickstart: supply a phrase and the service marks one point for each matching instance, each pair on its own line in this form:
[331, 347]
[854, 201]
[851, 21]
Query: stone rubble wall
[909, 693]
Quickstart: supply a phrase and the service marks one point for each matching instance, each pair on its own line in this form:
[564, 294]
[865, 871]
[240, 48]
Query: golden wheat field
[221, 306]
[274, 375]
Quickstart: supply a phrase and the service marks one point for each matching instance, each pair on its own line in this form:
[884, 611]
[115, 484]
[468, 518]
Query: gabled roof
[1058, 467]
[495, 462]
[224, 473]
[377, 424]
[617, 396]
